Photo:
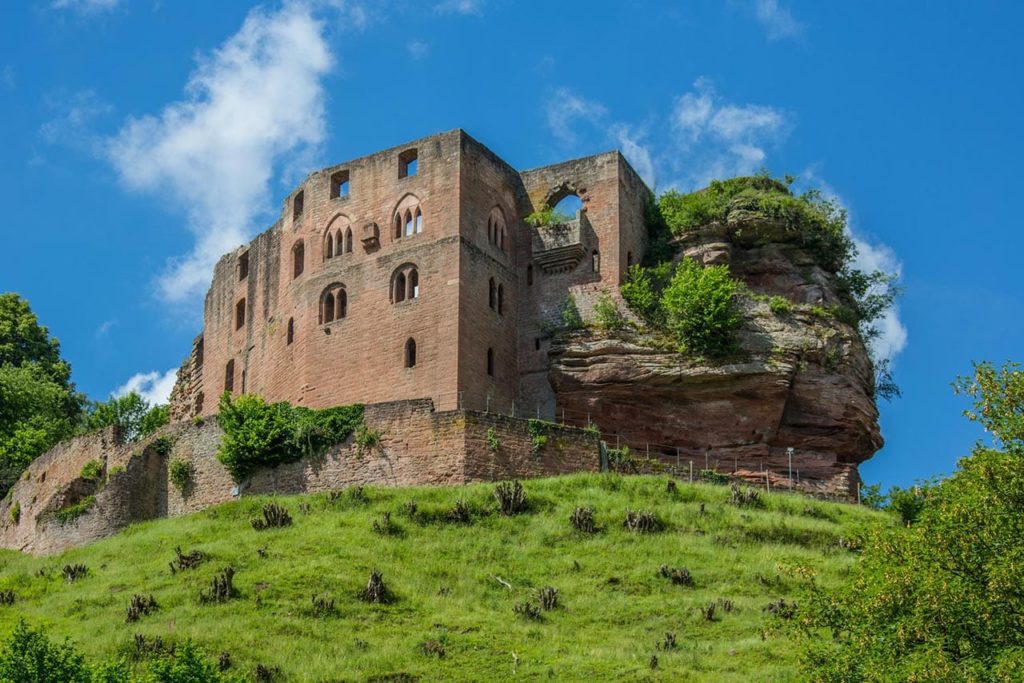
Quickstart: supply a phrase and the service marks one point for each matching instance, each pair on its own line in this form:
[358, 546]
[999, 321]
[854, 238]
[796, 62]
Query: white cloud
[474, 7]
[776, 20]
[103, 329]
[85, 6]
[75, 113]
[564, 109]
[630, 141]
[154, 386]
[249, 106]
[871, 256]
[717, 138]
[417, 49]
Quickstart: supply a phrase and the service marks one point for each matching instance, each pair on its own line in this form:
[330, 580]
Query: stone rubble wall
[418, 446]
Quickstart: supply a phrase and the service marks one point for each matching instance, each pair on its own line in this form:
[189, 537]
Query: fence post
[767, 481]
[677, 458]
[691, 471]
[789, 454]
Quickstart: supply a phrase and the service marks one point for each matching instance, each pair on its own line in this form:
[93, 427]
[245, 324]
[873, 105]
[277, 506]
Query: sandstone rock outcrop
[802, 380]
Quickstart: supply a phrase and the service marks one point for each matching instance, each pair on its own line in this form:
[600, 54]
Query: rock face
[803, 379]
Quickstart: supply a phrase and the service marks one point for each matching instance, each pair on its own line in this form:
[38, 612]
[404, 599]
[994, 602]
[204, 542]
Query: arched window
[496, 228]
[405, 283]
[568, 205]
[490, 362]
[291, 330]
[399, 292]
[348, 241]
[329, 246]
[298, 205]
[240, 313]
[595, 261]
[410, 353]
[414, 284]
[529, 275]
[501, 298]
[408, 219]
[333, 303]
[298, 259]
[492, 294]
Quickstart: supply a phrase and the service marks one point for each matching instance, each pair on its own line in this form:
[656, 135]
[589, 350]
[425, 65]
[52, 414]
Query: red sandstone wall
[418, 446]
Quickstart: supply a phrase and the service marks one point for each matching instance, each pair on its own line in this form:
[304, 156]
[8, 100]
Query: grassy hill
[455, 585]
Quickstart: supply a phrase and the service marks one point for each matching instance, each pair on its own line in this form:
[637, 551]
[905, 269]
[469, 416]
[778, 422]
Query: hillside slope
[456, 584]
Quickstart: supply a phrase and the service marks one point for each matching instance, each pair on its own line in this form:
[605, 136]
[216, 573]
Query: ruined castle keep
[410, 281]
[410, 273]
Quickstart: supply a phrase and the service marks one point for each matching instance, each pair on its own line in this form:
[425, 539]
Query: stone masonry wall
[418, 446]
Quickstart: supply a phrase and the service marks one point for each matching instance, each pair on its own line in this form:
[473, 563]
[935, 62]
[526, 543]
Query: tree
[700, 308]
[38, 404]
[130, 413]
[942, 599]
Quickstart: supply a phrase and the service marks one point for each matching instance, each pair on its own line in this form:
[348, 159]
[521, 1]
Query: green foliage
[572, 321]
[547, 216]
[72, 512]
[162, 445]
[28, 656]
[816, 222]
[713, 477]
[700, 308]
[92, 470]
[940, 599]
[607, 578]
[643, 291]
[131, 414]
[607, 314]
[15, 512]
[38, 404]
[115, 470]
[780, 305]
[366, 439]
[538, 435]
[180, 472]
[492, 439]
[258, 434]
[186, 665]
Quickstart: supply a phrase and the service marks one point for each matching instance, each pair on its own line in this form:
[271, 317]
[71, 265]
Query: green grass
[446, 581]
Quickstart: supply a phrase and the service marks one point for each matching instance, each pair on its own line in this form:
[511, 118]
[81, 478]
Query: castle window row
[405, 283]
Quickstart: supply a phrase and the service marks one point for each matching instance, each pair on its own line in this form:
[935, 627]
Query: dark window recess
[536, 343]
[229, 376]
[490, 362]
[408, 163]
[298, 259]
[243, 266]
[239, 313]
[339, 185]
[298, 204]
[291, 330]
[410, 353]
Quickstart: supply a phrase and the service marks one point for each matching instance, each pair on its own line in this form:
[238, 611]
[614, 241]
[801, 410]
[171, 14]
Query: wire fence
[686, 463]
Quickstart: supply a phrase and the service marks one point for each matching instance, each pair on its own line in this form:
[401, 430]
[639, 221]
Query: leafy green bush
[643, 290]
[607, 314]
[258, 434]
[180, 472]
[366, 439]
[162, 445]
[492, 439]
[780, 305]
[29, 656]
[818, 223]
[131, 414]
[15, 512]
[700, 308]
[571, 318]
[547, 216]
[73, 512]
[92, 470]
[538, 435]
[939, 600]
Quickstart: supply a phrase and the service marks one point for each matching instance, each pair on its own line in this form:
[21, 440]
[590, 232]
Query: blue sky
[142, 138]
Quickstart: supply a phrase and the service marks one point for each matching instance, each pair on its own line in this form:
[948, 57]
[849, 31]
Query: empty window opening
[496, 228]
[569, 205]
[342, 304]
[501, 298]
[409, 226]
[410, 353]
[414, 284]
[492, 294]
[240, 313]
[536, 343]
[339, 185]
[327, 309]
[408, 163]
[333, 304]
[348, 241]
[419, 221]
[398, 226]
[408, 219]
[490, 362]
[400, 285]
[229, 376]
[243, 266]
[595, 261]
[329, 246]
[291, 330]
[529, 275]
[298, 204]
[298, 259]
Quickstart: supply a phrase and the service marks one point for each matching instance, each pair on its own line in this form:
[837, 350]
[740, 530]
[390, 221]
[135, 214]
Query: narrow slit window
[410, 353]
[243, 266]
[492, 294]
[239, 313]
[419, 221]
[501, 298]
[342, 304]
[529, 275]
[414, 284]
[399, 288]
[291, 330]
[229, 376]
[329, 246]
[490, 362]
[298, 205]
[348, 241]
[298, 259]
